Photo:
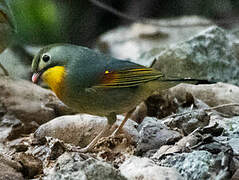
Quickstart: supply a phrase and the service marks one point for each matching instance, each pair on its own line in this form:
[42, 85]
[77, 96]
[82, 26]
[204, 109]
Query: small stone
[234, 143]
[188, 141]
[78, 167]
[10, 169]
[199, 165]
[188, 122]
[183, 144]
[153, 134]
[136, 168]
[32, 166]
[235, 175]
[165, 150]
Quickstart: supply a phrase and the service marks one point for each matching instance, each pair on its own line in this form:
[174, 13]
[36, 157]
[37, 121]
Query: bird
[94, 83]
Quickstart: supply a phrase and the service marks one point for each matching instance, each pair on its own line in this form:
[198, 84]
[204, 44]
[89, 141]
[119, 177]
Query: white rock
[136, 168]
[80, 129]
[212, 95]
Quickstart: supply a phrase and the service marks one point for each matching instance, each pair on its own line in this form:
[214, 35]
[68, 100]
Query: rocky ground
[186, 132]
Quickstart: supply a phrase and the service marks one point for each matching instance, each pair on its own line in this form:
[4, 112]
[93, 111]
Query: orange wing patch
[109, 77]
[128, 78]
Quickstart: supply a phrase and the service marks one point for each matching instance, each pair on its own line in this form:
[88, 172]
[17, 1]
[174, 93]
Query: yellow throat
[54, 78]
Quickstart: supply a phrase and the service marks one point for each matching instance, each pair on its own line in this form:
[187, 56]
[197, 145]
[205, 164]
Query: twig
[4, 70]
[221, 106]
[206, 109]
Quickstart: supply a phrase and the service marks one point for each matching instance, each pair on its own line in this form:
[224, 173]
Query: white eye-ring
[46, 57]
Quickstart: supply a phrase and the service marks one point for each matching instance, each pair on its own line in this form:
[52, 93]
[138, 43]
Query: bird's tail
[187, 80]
[166, 83]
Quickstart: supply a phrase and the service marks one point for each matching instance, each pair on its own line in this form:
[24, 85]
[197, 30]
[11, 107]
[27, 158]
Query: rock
[18, 145]
[206, 138]
[15, 64]
[153, 134]
[32, 166]
[188, 122]
[181, 146]
[131, 41]
[4, 149]
[235, 175]
[81, 167]
[208, 55]
[230, 125]
[164, 150]
[188, 141]
[38, 154]
[234, 143]
[198, 165]
[24, 106]
[80, 129]
[230, 133]
[74, 129]
[10, 169]
[144, 169]
[212, 95]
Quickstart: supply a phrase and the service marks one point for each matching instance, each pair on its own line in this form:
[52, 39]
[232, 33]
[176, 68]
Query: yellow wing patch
[54, 78]
[128, 78]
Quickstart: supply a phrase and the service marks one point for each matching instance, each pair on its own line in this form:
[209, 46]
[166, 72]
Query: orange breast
[54, 78]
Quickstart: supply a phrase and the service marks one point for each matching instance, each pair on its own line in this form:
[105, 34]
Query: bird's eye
[46, 57]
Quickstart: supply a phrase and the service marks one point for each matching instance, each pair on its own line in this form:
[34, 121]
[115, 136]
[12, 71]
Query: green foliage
[36, 22]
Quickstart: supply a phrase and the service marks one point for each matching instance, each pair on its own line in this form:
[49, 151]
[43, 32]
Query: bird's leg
[94, 141]
[111, 119]
[127, 116]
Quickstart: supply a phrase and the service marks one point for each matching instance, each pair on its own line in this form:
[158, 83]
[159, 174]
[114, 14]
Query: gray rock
[198, 165]
[131, 41]
[230, 134]
[212, 95]
[77, 167]
[24, 106]
[80, 129]
[15, 65]
[181, 146]
[136, 168]
[230, 125]
[208, 55]
[188, 122]
[234, 143]
[153, 134]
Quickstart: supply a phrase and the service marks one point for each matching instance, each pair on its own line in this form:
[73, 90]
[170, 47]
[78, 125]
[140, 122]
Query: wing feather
[128, 77]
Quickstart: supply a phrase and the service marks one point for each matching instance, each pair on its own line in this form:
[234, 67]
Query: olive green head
[48, 57]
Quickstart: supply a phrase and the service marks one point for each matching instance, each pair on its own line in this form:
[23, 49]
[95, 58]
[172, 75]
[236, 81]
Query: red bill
[35, 77]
